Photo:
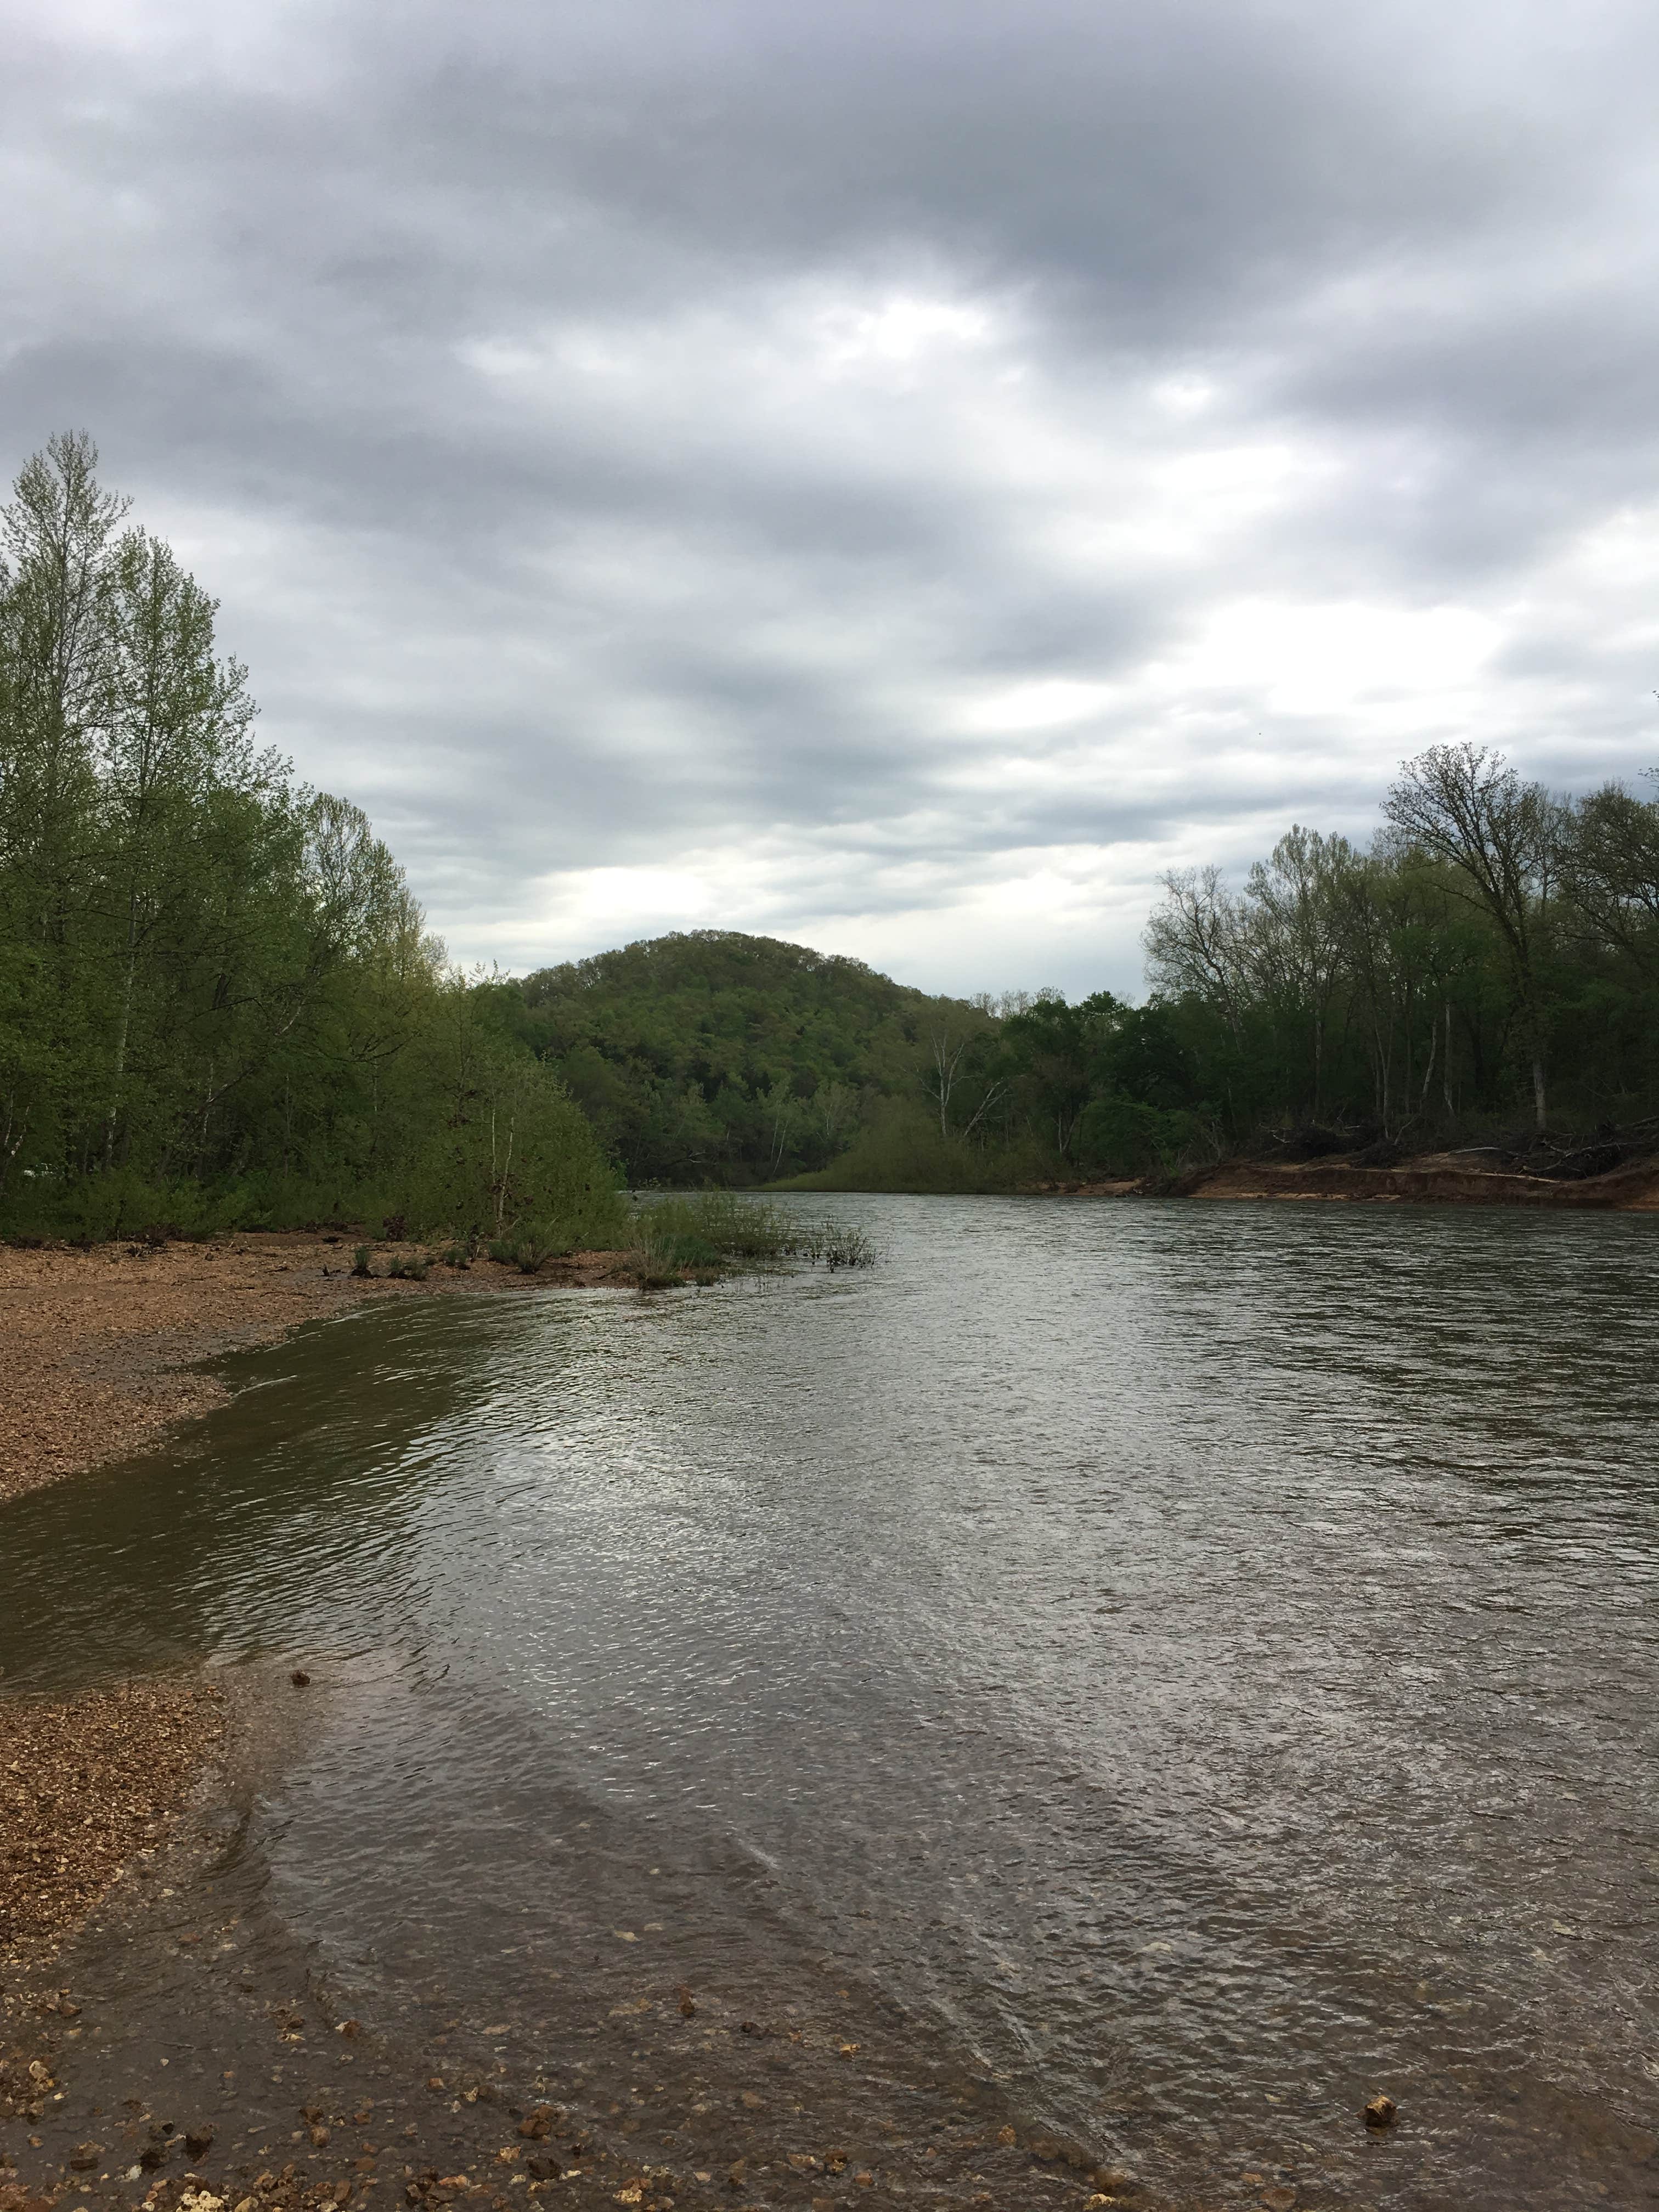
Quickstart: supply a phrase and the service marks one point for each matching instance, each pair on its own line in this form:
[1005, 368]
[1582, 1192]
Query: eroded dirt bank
[1437, 1178]
[1434, 1178]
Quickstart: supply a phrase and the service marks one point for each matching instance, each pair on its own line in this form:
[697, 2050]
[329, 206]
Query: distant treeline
[1489, 966]
[1487, 970]
[217, 1000]
[219, 1005]
[1491, 963]
[714, 1056]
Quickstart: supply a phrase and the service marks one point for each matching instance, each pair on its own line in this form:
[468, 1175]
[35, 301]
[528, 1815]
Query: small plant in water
[846, 1247]
[700, 1235]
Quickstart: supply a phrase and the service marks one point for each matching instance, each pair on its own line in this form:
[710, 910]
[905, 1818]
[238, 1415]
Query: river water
[1195, 1664]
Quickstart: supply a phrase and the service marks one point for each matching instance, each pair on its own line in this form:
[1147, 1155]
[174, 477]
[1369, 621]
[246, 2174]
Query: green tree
[1498, 836]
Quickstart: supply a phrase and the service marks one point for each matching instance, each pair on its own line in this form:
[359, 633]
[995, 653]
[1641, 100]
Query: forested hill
[709, 1053]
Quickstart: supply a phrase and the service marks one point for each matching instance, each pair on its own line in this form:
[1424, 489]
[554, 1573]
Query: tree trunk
[123, 1029]
[1319, 1063]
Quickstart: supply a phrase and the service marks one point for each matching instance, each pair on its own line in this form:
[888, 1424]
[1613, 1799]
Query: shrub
[1120, 1137]
[904, 1151]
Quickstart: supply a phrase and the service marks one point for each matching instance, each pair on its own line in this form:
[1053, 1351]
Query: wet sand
[183, 2048]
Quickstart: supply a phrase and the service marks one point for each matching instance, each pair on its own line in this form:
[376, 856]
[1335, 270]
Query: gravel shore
[103, 1347]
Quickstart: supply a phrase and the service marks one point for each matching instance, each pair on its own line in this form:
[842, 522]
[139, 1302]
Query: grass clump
[532, 1245]
[411, 1270]
[701, 1236]
[833, 1244]
[359, 1261]
[709, 1233]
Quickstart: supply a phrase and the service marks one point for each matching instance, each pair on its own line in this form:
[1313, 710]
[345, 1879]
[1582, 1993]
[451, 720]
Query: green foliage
[1491, 961]
[218, 1004]
[905, 1150]
[537, 1242]
[1125, 1137]
[706, 1229]
[715, 1056]
[360, 1263]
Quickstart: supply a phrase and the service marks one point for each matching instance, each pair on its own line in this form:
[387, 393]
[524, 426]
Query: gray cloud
[897, 477]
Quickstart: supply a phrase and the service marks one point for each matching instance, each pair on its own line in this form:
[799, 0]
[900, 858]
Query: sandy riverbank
[102, 1351]
[102, 1347]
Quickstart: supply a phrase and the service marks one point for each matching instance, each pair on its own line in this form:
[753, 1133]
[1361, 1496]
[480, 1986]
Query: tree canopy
[1492, 955]
[712, 1055]
[218, 1000]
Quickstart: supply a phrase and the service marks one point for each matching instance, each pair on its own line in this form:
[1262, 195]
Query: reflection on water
[1198, 1658]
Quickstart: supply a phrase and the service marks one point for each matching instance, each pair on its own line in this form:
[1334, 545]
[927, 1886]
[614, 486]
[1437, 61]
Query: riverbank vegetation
[703, 1234]
[1483, 975]
[1486, 970]
[712, 1056]
[218, 1002]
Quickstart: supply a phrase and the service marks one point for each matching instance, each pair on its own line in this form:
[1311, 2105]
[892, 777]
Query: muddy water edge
[1076, 1712]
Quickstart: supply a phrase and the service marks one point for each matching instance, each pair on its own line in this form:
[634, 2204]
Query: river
[1192, 1665]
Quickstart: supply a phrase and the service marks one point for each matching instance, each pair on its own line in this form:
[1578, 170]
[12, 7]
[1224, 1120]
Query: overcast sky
[894, 476]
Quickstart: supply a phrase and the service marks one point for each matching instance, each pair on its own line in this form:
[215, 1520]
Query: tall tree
[173, 737]
[1499, 836]
[1610, 863]
[217, 995]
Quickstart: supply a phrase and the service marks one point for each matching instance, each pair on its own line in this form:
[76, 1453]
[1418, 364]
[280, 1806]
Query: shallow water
[1197, 1659]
